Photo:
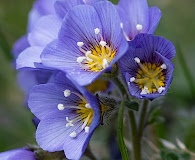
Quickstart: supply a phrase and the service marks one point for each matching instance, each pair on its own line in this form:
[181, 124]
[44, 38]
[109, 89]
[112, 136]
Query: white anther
[161, 89]
[132, 79]
[137, 60]
[73, 134]
[163, 66]
[145, 90]
[87, 105]
[105, 63]
[139, 27]
[69, 122]
[67, 93]
[97, 31]
[80, 59]
[121, 25]
[80, 44]
[87, 53]
[86, 129]
[103, 43]
[61, 107]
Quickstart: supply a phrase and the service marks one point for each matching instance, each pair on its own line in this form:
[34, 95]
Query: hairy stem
[121, 143]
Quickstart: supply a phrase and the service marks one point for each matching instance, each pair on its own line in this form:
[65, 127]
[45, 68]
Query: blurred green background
[178, 107]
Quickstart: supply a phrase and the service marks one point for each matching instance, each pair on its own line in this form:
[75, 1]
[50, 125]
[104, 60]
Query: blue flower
[89, 42]
[40, 34]
[147, 66]
[68, 116]
[18, 154]
[137, 18]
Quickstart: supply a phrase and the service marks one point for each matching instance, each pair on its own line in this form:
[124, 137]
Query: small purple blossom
[137, 18]
[68, 116]
[89, 42]
[147, 66]
[18, 154]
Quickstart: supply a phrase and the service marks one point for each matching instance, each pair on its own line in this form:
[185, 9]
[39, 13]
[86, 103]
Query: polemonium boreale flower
[18, 154]
[147, 66]
[68, 116]
[89, 42]
[137, 18]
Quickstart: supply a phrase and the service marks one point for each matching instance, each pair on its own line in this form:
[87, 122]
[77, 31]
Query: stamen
[97, 31]
[81, 59]
[161, 89]
[87, 129]
[69, 122]
[97, 57]
[139, 27]
[86, 121]
[149, 77]
[137, 60]
[105, 63]
[61, 107]
[103, 43]
[80, 44]
[121, 25]
[132, 79]
[67, 93]
[163, 66]
[73, 134]
[87, 53]
[87, 105]
[145, 90]
[124, 33]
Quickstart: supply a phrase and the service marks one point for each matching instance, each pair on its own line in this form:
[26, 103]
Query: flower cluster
[70, 46]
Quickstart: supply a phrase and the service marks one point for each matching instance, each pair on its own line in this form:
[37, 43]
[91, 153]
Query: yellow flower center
[85, 114]
[96, 57]
[150, 77]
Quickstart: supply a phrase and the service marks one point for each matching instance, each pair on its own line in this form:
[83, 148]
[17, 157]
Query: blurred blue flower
[137, 18]
[68, 116]
[89, 42]
[147, 66]
[18, 154]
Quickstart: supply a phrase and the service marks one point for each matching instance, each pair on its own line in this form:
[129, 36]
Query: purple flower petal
[136, 12]
[40, 8]
[41, 34]
[20, 45]
[29, 57]
[155, 16]
[63, 6]
[15, 154]
[159, 44]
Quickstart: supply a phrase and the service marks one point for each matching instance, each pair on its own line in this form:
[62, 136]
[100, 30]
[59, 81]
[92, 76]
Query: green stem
[135, 137]
[142, 117]
[121, 86]
[122, 146]
[138, 132]
[186, 71]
